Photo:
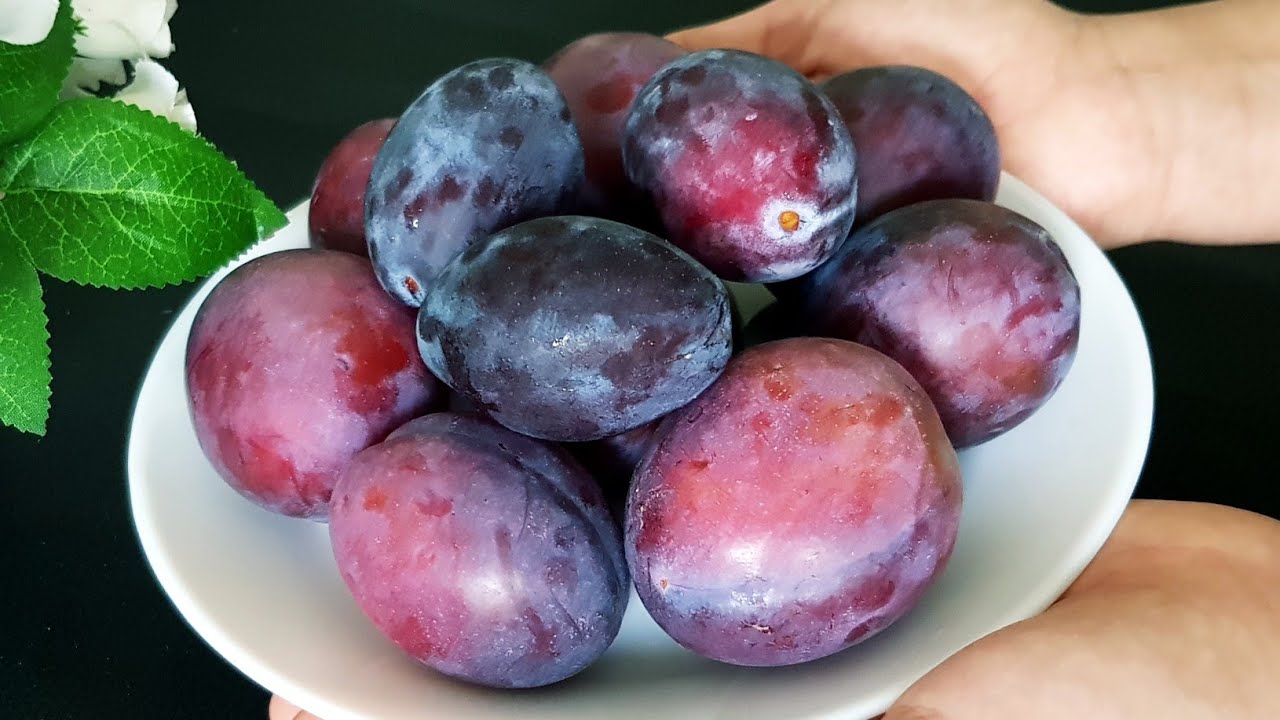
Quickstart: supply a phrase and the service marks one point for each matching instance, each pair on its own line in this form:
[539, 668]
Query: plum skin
[746, 162]
[487, 145]
[335, 217]
[976, 301]
[919, 137]
[295, 361]
[572, 328]
[612, 461]
[480, 553]
[802, 504]
[599, 76]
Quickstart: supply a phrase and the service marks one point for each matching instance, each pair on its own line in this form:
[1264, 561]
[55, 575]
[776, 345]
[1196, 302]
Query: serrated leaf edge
[47, 363]
[254, 196]
[77, 28]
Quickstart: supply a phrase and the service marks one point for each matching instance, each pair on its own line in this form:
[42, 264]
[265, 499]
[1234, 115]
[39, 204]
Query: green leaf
[106, 194]
[266, 214]
[32, 75]
[24, 343]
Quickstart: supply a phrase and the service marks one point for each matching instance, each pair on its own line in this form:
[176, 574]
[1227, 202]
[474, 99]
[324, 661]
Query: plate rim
[189, 609]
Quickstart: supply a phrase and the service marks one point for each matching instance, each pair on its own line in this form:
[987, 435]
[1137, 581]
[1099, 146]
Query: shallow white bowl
[263, 590]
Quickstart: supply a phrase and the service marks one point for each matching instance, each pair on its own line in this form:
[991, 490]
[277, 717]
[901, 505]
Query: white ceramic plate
[264, 592]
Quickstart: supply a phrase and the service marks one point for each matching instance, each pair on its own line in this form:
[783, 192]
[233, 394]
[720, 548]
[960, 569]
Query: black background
[85, 631]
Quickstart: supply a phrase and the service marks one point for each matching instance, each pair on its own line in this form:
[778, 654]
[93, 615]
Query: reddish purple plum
[612, 461]
[574, 328]
[599, 76]
[488, 145]
[919, 136]
[296, 361]
[747, 163]
[802, 504]
[483, 554]
[335, 218]
[975, 300]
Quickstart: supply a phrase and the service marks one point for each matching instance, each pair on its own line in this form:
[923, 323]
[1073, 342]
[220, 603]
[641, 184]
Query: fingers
[1004, 676]
[281, 709]
[785, 30]
[1155, 539]
[746, 31]
[1159, 625]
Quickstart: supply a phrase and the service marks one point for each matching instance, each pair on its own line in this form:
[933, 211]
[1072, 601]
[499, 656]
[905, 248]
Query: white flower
[120, 38]
[156, 90]
[88, 76]
[123, 28]
[26, 22]
[142, 83]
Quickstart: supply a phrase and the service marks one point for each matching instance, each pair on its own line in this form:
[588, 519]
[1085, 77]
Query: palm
[1040, 72]
[1176, 618]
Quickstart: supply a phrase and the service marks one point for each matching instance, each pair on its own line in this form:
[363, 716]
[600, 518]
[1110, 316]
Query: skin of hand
[1143, 126]
[1177, 618]
[281, 709]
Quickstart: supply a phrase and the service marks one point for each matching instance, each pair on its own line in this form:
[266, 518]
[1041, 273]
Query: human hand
[1178, 617]
[1067, 122]
[281, 709]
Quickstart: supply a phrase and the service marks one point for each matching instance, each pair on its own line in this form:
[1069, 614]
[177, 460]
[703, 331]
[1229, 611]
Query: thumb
[281, 709]
[987, 680]
[784, 30]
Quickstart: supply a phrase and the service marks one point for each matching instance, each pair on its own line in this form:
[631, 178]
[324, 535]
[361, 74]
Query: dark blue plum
[919, 137]
[575, 328]
[747, 163]
[487, 145]
[485, 555]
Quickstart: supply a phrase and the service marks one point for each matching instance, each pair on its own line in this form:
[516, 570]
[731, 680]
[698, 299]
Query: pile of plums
[512, 378]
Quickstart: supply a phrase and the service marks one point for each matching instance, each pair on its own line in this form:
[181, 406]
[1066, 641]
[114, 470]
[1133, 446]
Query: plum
[803, 503]
[489, 144]
[975, 300]
[575, 328]
[919, 136]
[747, 163]
[612, 460]
[483, 554]
[599, 76]
[296, 361]
[335, 218]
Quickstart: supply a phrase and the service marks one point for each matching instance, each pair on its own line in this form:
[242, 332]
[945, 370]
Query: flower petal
[161, 45]
[89, 75]
[26, 22]
[124, 28]
[155, 90]
[182, 112]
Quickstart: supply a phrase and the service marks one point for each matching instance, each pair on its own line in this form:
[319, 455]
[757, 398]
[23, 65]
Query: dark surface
[85, 632]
